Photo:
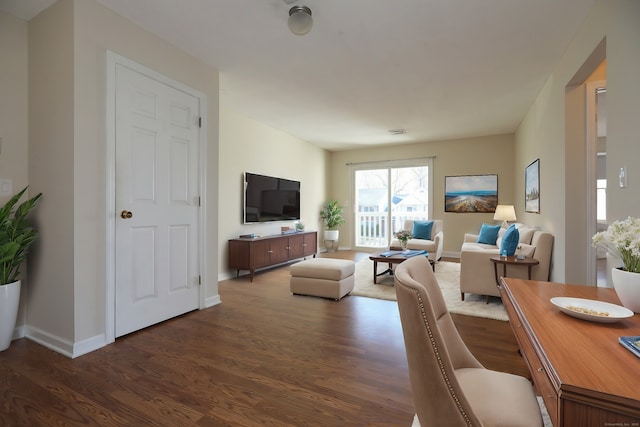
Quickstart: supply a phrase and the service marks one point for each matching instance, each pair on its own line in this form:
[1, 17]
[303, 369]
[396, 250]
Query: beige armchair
[450, 387]
[433, 246]
[477, 275]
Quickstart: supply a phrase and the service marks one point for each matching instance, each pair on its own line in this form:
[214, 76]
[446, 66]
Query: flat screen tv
[267, 198]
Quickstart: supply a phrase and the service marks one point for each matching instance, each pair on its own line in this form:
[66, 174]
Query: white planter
[331, 238]
[331, 234]
[9, 301]
[627, 286]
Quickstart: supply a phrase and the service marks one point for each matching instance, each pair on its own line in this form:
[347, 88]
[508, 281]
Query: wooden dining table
[584, 375]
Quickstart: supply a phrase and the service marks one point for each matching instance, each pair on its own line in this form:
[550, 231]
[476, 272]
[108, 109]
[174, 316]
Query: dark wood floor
[262, 357]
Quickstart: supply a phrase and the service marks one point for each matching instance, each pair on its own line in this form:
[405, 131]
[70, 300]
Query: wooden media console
[261, 252]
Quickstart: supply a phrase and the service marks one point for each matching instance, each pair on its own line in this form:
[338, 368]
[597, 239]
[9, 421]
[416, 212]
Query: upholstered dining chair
[450, 387]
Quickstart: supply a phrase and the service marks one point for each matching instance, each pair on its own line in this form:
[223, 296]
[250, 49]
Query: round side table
[512, 260]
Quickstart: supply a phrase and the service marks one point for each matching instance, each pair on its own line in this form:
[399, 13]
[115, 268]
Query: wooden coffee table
[377, 257]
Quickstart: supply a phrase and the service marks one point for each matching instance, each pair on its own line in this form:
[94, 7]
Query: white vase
[331, 234]
[331, 240]
[9, 301]
[627, 286]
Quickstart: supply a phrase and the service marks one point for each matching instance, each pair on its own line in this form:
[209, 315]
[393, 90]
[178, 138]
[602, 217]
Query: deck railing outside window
[372, 230]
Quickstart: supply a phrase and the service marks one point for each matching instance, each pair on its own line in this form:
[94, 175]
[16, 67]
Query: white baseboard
[89, 345]
[52, 342]
[245, 273]
[451, 254]
[226, 276]
[79, 348]
[211, 301]
[18, 332]
[63, 346]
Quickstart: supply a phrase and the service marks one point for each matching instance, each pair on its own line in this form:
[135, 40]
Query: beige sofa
[477, 274]
[433, 246]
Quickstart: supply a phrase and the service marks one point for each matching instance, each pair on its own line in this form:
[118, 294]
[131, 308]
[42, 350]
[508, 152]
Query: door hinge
[199, 122]
[199, 280]
[199, 201]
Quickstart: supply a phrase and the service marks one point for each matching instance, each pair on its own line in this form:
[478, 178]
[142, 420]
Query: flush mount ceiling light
[300, 20]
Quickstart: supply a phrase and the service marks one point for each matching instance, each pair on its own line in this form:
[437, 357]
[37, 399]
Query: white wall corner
[63, 346]
[90, 344]
[52, 342]
[18, 332]
[211, 301]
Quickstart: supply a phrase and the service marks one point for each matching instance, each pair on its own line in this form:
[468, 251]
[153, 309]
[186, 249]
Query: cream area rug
[448, 276]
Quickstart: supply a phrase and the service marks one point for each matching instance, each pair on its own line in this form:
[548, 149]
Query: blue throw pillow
[422, 230]
[510, 240]
[488, 234]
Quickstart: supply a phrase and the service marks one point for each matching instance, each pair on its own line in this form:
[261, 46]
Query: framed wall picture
[532, 187]
[471, 193]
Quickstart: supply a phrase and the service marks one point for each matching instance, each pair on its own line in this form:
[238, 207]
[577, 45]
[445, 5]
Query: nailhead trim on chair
[440, 364]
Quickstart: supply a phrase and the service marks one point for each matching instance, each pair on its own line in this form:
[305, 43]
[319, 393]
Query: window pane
[410, 198]
[385, 198]
[372, 206]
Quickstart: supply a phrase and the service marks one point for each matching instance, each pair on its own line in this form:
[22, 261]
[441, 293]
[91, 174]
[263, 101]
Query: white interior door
[156, 201]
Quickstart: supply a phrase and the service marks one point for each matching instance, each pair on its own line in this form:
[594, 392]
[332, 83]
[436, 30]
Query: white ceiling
[441, 69]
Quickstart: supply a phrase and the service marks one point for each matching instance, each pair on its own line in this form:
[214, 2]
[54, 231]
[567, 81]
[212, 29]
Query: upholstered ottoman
[322, 277]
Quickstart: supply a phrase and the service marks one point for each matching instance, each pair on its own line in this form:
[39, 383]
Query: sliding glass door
[387, 195]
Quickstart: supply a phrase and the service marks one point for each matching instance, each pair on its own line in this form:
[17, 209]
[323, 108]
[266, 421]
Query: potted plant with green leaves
[16, 237]
[332, 216]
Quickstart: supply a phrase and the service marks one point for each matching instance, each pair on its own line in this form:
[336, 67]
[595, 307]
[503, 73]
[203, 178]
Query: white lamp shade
[505, 213]
[300, 20]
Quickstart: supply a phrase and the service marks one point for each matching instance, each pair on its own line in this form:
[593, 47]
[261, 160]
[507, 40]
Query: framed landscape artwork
[532, 187]
[471, 193]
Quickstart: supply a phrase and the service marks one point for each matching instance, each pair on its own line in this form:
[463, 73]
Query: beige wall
[13, 102]
[548, 132]
[623, 105]
[68, 45]
[249, 146]
[471, 156]
[51, 300]
[13, 113]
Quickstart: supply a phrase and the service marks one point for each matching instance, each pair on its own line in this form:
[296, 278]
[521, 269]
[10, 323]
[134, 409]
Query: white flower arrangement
[403, 235]
[622, 239]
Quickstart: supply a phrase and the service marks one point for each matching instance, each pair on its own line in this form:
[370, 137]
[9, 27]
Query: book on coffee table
[390, 253]
[407, 253]
[413, 252]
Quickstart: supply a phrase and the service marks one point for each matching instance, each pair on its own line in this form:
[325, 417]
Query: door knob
[126, 214]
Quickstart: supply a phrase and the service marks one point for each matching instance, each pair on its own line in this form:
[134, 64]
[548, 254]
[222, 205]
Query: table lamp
[505, 213]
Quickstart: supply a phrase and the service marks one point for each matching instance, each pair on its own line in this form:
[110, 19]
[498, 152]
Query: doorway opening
[597, 143]
[581, 168]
